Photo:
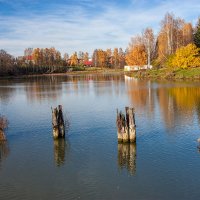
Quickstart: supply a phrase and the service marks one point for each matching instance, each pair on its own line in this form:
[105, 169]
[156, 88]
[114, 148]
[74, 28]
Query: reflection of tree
[127, 156]
[185, 97]
[4, 150]
[167, 106]
[177, 102]
[38, 88]
[61, 148]
[6, 91]
[141, 94]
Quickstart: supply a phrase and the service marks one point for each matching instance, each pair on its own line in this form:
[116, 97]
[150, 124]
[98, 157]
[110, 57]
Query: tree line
[177, 45]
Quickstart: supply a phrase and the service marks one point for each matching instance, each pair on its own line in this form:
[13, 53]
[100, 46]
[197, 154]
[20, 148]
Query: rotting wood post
[61, 123]
[126, 128]
[130, 116]
[58, 123]
[55, 123]
[120, 125]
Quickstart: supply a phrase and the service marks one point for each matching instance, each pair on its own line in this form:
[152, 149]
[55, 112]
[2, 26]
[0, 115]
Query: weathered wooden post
[130, 116]
[126, 131]
[119, 123]
[61, 123]
[55, 123]
[58, 123]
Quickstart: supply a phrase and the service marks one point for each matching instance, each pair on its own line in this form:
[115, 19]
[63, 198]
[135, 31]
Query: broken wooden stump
[126, 128]
[58, 123]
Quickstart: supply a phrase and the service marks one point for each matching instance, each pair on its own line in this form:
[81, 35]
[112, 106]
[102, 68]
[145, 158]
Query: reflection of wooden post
[127, 156]
[58, 123]
[126, 126]
[59, 151]
[132, 158]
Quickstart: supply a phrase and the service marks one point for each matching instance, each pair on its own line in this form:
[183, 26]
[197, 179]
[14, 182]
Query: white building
[137, 68]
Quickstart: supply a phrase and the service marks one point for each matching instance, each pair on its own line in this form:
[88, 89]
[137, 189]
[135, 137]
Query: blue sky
[83, 25]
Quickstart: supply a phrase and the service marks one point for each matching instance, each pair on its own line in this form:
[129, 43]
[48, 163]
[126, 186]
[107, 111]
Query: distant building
[137, 68]
[88, 63]
[28, 54]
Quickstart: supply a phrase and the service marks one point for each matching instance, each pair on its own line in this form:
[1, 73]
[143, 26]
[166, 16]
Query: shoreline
[167, 74]
[151, 74]
[96, 71]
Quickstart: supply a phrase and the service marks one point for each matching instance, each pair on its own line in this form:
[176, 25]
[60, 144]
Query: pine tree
[197, 34]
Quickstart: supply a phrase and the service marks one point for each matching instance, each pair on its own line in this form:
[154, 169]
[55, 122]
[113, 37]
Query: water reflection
[177, 102]
[127, 157]
[61, 149]
[141, 94]
[4, 150]
[6, 92]
[39, 88]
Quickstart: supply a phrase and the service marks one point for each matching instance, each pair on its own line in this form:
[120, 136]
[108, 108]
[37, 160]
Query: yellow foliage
[187, 56]
[136, 56]
[185, 97]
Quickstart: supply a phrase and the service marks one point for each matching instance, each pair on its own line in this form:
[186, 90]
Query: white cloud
[74, 28]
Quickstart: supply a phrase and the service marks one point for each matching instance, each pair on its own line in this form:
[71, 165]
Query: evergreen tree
[197, 34]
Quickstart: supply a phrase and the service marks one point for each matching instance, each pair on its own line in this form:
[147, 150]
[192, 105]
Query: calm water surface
[90, 164]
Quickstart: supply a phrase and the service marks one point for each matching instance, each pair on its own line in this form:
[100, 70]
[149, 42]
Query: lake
[90, 164]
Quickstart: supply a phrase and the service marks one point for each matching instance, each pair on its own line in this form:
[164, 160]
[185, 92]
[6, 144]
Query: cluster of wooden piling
[126, 128]
[58, 122]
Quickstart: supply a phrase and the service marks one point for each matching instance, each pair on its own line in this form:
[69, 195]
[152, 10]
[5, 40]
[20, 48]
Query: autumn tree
[6, 63]
[109, 58]
[95, 58]
[149, 43]
[197, 34]
[74, 59]
[115, 57]
[136, 54]
[174, 33]
[187, 32]
[102, 58]
[121, 58]
[188, 56]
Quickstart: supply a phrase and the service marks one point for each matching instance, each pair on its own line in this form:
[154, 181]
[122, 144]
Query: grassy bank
[164, 73]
